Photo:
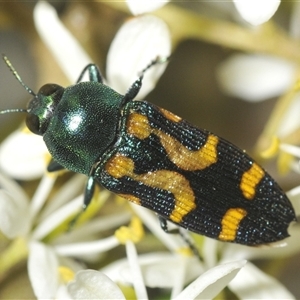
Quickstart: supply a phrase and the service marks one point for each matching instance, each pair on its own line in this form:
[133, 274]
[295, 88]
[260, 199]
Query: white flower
[251, 283]
[21, 219]
[46, 262]
[12, 209]
[255, 77]
[72, 59]
[256, 12]
[53, 271]
[138, 42]
[258, 77]
[42, 269]
[29, 162]
[90, 284]
[138, 7]
[166, 271]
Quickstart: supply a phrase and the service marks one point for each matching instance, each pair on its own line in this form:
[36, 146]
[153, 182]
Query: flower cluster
[59, 257]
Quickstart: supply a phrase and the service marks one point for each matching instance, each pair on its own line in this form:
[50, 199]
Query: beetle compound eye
[49, 89]
[33, 124]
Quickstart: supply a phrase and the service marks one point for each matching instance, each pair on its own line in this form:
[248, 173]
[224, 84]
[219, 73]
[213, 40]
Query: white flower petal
[90, 284]
[179, 280]
[14, 209]
[14, 215]
[295, 20]
[137, 277]
[173, 242]
[251, 283]
[69, 190]
[93, 227]
[56, 218]
[62, 293]
[294, 196]
[137, 43]
[255, 77]
[43, 271]
[41, 194]
[23, 155]
[210, 252]
[14, 189]
[138, 7]
[290, 121]
[157, 268]
[81, 250]
[256, 12]
[65, 48]
[291, 149]
[212, 282]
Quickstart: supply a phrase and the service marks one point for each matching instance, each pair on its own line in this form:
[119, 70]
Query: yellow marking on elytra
[170, 116]
[230, 223]
[119, 166]
[138, 125]
[173, 182]
[250, 180]
[186, 159]
[176, 184]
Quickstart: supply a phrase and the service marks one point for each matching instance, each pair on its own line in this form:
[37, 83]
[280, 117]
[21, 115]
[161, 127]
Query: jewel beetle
[154, 158]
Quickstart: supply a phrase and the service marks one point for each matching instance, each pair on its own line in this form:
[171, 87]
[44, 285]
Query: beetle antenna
[13, 110]
[17, 76]
[156, 61]
[136, 86]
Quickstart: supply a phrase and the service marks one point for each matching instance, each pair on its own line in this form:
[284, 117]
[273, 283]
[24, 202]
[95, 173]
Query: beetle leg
[164, 226]
[184, 235]
[88, 195]
[54, 166]
[89, 192]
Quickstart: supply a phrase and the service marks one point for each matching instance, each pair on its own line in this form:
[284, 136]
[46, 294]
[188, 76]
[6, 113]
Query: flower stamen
[66, 274]
[134, 232]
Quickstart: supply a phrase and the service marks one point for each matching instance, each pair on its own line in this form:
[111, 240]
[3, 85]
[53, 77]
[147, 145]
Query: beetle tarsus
[89, 192]
[183, 234]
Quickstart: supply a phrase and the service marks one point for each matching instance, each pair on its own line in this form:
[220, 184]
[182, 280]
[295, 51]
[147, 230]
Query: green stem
[14, 254]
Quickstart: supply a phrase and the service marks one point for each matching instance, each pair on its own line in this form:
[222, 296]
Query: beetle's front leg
[89, 192]
[90, 185]
[54, 166]
[87, 198]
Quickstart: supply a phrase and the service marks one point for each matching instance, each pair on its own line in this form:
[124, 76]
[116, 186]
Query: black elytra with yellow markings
[155, 159]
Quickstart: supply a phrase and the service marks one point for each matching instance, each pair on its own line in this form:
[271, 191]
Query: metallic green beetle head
[42, 106]
[83, 125]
